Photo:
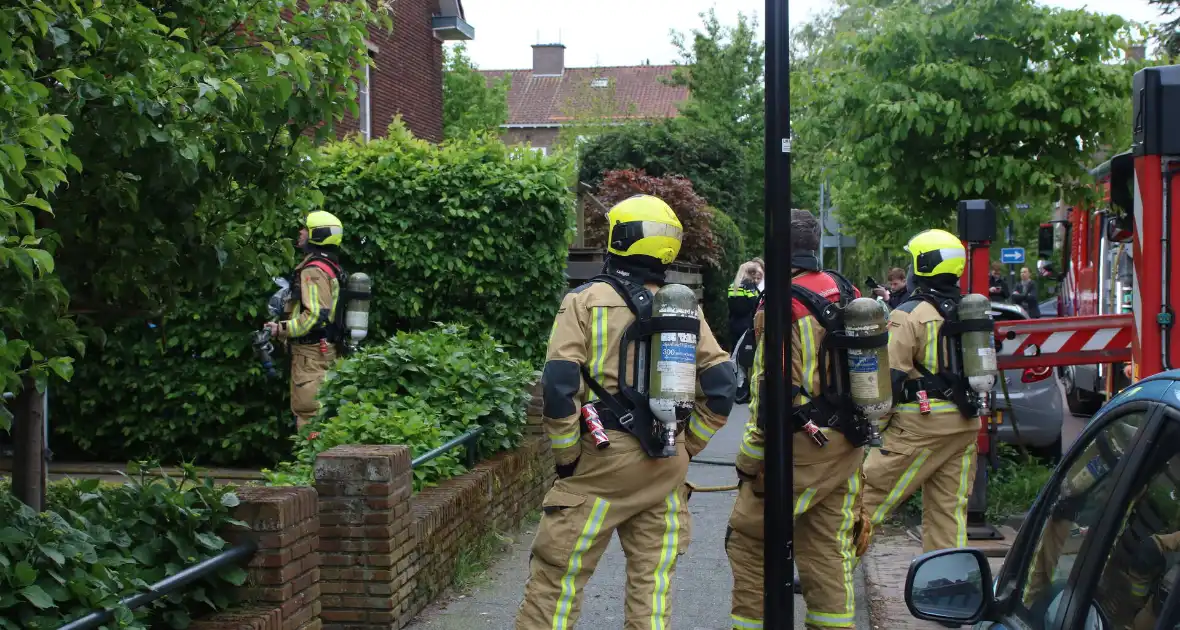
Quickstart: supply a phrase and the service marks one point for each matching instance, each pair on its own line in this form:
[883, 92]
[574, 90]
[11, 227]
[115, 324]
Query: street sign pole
[779, 559]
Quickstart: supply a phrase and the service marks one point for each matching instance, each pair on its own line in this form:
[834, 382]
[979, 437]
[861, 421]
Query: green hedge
[717, 280]
[98, 543]
[186, 386]
[419, 389]
[470, 231]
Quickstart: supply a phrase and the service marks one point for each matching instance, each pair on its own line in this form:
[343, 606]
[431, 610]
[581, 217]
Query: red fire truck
[1087, 249]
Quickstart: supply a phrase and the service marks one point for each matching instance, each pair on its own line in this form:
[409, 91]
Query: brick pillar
[282, 591]
[365, 536]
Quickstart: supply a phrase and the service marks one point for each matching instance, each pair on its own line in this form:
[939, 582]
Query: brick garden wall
[282, 587]
[359, 551]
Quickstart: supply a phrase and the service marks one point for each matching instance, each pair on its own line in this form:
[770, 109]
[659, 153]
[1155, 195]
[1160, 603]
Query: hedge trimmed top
[470, 231]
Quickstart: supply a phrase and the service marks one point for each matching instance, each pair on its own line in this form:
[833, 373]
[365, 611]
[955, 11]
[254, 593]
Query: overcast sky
[628, 32]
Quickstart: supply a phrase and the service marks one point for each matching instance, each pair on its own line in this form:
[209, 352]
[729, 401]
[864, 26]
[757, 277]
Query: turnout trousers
[935, 453]
[309, 366]
[827, 494]
[616, 489]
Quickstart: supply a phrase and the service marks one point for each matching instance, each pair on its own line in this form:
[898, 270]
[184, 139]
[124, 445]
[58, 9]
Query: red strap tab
[325, 267]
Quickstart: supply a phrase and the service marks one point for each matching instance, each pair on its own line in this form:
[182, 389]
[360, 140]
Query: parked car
[1098, 549]
[1032, 413]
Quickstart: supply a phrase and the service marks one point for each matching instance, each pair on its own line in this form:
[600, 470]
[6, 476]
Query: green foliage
[35, 335]
[97, 544]
[470, 232]
[470, 103]
[717, 280]
[419, 389]
[1169, 30]
[997, 99]
[711, 159]
[1013, 488]
[188, 120]
[698, 244]
[723, 70]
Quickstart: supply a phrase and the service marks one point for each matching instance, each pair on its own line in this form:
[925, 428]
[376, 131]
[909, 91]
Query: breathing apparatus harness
[832, 406]
[948, 382]
[629, 410]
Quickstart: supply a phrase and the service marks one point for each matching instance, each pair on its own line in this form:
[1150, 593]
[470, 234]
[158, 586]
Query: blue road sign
[1012, 255]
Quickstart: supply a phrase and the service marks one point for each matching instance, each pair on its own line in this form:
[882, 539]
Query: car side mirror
[949, 586]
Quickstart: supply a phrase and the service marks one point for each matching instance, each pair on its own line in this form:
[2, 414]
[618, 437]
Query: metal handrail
[168, 585]
[470, 439]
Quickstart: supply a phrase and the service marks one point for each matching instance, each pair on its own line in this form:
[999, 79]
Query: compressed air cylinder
[674, 359]
[868, 370]
[979, 349]
[356, 313]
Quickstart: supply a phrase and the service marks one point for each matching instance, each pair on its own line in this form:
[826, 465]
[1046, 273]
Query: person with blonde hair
[743, 302]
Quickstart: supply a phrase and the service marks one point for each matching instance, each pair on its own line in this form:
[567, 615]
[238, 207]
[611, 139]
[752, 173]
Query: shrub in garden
[470, 232]
[710, 158]
[717, 279]
[187, 185]
[99, 543]
[420, 389]
[699, 245]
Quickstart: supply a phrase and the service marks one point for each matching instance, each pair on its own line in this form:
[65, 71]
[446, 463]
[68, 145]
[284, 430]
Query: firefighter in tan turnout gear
[310, 326]
[828, 441]
[620, 445]
[929, 441]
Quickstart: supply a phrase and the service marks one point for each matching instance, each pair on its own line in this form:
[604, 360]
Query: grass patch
[1012, 488]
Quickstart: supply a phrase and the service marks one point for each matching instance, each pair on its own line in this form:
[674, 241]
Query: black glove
[567, 470]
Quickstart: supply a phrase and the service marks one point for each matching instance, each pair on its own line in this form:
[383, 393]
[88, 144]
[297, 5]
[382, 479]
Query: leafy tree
[712, 160]
[699, 245]
[191, 122]
[35, 158]
[722, 66]
[998, 99]
[470, 102]
[1169, 31]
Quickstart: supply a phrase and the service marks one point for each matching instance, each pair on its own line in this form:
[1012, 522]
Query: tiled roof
[546, 100]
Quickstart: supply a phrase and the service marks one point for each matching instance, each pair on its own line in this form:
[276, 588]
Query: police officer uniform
[928, 448]
[620, 488]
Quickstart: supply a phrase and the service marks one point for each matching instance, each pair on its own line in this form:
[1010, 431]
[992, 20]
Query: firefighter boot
[616, 488]
[935, 453]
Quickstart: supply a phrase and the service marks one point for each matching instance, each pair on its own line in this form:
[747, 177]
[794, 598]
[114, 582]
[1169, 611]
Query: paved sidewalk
[701, 588]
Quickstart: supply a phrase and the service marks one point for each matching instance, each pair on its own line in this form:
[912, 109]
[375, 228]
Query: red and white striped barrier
[1065, 341]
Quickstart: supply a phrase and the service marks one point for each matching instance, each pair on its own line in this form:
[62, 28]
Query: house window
[600, 83]
[366, 117]
[541, 150]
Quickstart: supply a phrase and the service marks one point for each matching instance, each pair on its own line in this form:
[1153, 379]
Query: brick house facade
[406, 77]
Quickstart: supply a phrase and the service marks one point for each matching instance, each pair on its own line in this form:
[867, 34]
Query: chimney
[548, 59]
[1137, 52]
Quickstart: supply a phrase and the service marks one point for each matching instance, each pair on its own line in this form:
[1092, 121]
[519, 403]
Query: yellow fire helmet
[937, 252]
[323, 228]
[644, 226]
